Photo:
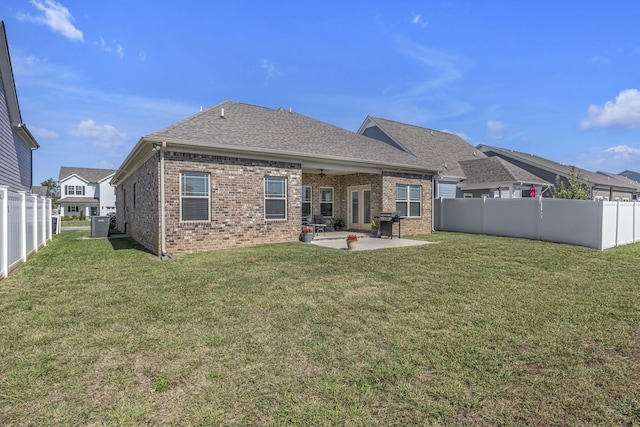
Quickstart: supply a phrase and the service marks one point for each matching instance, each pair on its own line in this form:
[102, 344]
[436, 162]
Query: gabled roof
[442, 149]
[90, 175]
[237, 128]
[11, 96]
[551, 166]
[496, 170]
[250, 127]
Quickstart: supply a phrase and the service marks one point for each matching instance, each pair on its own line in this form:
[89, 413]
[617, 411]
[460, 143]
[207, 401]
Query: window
[408, 200]
[468, 195]
[134, 195]
[326, 201]
[194, 196]
[74, 190]
[275, 198]
[72, 209]
[306, 201]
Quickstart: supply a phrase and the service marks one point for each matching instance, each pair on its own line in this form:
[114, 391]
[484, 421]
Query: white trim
[284, 197]
[208, 196]
[333, 201]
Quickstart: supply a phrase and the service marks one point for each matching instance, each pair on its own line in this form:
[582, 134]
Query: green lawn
[75, 223]
[474, 330]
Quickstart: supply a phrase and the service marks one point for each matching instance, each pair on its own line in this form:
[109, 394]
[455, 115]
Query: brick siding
[140, 218]
[422, 224]
[237, 202]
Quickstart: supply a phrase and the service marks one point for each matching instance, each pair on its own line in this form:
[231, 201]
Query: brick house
[241, 175]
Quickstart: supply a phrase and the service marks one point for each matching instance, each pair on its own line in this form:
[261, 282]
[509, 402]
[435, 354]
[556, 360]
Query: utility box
[100, 226]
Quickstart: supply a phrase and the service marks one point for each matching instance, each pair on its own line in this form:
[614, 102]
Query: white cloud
[270, 68]
[496, 129]
[621, 114]
[101, 135]
[42, 133]
[114, 48]
[419, 21]
[55, 16]
[624, 151]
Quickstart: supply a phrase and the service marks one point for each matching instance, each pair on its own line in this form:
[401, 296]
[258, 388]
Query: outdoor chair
[319, 223]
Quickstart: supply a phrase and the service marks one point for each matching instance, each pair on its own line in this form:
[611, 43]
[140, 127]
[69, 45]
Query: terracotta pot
[352, 245]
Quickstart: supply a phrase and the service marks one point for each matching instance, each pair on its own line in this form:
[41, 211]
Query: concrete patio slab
[369, 244]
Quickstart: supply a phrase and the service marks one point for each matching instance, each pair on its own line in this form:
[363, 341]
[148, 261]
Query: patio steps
[340, 235]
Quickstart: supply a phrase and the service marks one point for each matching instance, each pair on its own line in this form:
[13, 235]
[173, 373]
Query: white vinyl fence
[595, 224]
[25, 226]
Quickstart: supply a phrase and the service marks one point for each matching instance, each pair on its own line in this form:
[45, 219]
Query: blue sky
[556, 79]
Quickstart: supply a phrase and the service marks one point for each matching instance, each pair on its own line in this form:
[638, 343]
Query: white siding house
[86, 192]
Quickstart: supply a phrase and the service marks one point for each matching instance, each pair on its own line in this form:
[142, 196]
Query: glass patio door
[360, 207]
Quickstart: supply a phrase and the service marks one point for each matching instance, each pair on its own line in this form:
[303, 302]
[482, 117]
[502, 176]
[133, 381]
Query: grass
[474, 330]
[75, 223]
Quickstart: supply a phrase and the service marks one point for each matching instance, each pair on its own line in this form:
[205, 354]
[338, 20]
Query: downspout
[163, 234]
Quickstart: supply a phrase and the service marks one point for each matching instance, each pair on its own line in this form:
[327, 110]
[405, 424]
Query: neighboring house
[602, 187]
[494, 177]
[240, 175]
[464, 171]
[86, 191]
[16, 142]
[25, 218]
[622, 180]
[40, 190]
[633, 176]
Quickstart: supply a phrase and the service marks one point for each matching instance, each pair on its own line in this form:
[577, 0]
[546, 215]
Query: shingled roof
[242, 127]
[89, 174]
[443, 149]
[497, 170]
[555, 167]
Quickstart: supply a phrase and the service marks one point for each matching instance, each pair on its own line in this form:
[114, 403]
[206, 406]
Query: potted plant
[307, 234]
[352, 242]
[338, 224]
[374, 228]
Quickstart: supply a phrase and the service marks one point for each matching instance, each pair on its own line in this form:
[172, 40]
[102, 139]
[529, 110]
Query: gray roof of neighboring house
[257, 129]
[634, 176]
[89, 174]
[553, 167]
[39, 190]
[495, 170]
[621, 180]
[432, 146]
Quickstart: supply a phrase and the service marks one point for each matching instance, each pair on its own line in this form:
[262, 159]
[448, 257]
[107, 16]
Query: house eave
[503, 184]
[144, 149]
[26, 136]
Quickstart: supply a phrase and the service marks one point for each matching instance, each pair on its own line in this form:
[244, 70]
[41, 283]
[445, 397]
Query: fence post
[540, 213]
[483, 215]
[600, 225]
[4, 231]
[48, 219]
[43, 223]
[23, 225]
[35, 223]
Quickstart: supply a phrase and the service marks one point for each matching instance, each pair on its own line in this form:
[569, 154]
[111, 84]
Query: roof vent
[222, 113]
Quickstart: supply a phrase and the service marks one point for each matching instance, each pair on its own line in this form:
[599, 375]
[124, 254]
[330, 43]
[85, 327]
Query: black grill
[386, 220]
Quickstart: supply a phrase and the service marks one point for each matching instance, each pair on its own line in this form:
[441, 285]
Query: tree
[577, 188]
[52, 190]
